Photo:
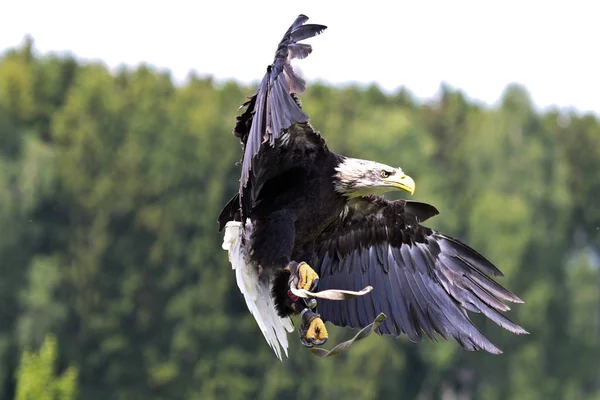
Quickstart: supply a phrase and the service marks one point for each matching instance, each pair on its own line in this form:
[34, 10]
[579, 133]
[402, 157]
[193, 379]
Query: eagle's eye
[385, 174]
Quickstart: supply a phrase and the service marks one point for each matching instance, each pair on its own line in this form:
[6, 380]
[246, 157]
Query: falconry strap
[342, 347]
[335, 294]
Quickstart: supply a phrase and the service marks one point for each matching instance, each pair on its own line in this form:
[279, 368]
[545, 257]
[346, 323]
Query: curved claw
[306, 343]
[314, 285]
[322, 342]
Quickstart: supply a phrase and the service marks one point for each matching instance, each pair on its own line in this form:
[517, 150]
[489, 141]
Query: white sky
[551, 47]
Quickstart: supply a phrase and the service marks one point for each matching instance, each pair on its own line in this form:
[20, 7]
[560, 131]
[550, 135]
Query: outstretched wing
[423, 280]
[274, 110]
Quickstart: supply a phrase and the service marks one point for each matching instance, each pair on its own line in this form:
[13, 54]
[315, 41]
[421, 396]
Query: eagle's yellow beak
[403, 182]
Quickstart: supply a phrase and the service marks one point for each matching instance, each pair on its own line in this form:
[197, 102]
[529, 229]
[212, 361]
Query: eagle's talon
[307, 277]
[322, 342]
[312, 330]
[306, 343]
[317, 333]
[314, 285]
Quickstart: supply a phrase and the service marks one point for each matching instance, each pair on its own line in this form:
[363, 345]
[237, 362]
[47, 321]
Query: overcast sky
[551, 47]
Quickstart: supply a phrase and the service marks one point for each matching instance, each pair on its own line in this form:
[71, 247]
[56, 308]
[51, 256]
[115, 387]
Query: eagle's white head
[355, 177]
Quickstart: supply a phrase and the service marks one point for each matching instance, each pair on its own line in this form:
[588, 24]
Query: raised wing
[274, 108]
[422, 280]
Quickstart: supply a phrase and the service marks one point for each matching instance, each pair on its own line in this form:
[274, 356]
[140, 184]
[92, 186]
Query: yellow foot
[307, 279]
[317, 333]
[312, 330]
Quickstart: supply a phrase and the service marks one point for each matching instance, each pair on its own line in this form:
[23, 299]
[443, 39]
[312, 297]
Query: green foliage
[111, 184]
[37, 379]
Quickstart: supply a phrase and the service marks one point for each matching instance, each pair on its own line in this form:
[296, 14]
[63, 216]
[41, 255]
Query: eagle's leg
[312, 329]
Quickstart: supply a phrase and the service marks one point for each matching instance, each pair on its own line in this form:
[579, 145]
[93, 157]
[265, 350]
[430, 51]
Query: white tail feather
[257, 292]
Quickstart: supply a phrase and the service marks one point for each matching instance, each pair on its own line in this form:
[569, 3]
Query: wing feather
[423, 280]
[274, 110]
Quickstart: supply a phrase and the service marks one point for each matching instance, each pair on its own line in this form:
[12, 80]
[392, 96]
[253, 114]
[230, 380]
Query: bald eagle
[305, 212]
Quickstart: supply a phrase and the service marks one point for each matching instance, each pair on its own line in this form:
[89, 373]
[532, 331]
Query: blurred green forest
[111, 183]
